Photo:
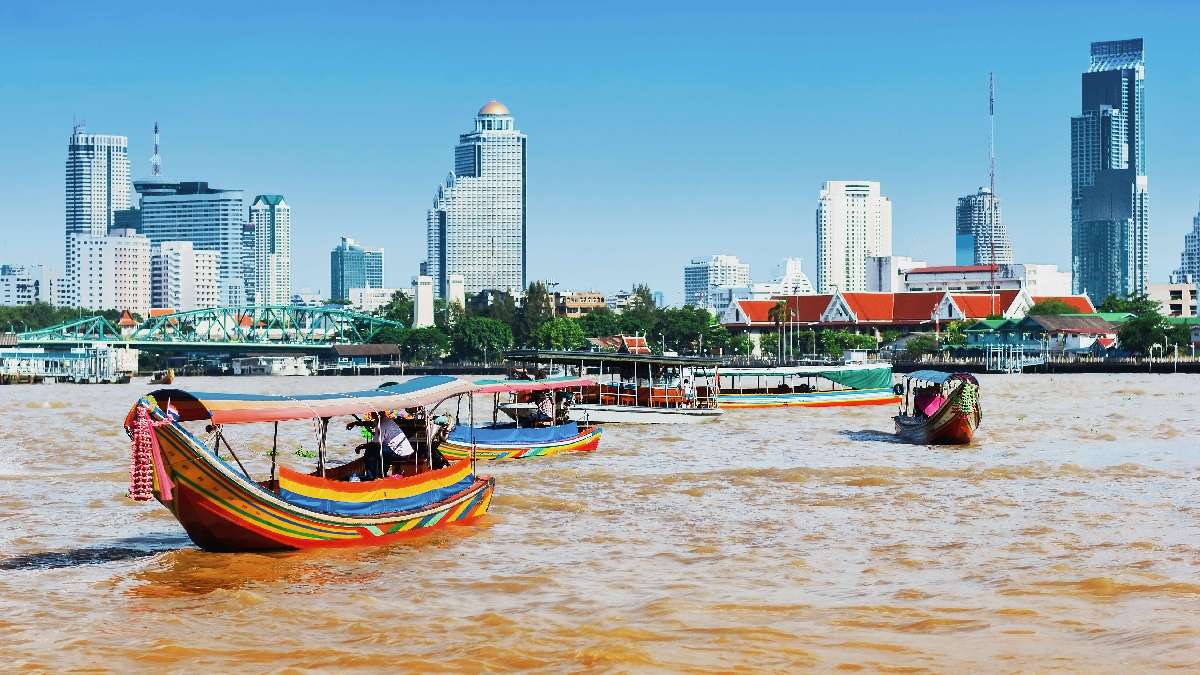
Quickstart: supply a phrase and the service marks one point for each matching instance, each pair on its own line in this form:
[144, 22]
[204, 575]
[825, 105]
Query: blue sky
[656, 133]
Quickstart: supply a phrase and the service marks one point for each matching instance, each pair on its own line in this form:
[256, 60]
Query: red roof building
[1080, 303]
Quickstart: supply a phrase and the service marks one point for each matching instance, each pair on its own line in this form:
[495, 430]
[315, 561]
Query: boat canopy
[499, 386]
[855, 376]
[222, 408]
[569, 357]
[937, 376]
[511, 434]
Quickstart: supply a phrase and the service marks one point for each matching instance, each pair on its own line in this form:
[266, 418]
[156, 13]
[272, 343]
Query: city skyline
[639, 171]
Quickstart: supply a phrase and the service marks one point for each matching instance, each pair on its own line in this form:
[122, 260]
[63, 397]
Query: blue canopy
[934, 376]
[510, 434]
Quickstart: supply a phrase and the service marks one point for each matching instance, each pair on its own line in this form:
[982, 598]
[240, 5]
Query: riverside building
[1110, 204]
[477, 225]
[854, 222]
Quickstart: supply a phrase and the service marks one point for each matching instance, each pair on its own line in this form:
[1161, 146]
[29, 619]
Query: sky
[658, 132]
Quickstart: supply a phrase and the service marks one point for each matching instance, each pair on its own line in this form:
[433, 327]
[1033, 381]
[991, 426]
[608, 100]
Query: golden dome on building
[493, 107]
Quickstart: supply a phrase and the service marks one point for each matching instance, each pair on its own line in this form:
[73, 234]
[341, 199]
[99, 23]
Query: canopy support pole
[471, 409]
[274, 450]
[221, 439]
[321, 444]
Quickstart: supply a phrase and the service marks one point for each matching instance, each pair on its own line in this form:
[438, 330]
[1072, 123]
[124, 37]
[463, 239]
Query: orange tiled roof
[983, 305]
[805, 308]
[161, 311]
[893, 307]
[126, 320]
[1079, 303]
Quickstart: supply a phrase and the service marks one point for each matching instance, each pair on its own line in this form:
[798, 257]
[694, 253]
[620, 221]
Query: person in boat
[544, 415]
[390, 444]
[564, 407]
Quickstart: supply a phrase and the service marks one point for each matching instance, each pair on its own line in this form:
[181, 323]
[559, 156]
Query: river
[1066, 537]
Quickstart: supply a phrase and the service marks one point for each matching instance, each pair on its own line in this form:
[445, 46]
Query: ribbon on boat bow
[145, 460]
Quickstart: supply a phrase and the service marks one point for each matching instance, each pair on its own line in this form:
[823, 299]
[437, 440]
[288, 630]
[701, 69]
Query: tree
[768, 344]
[558, 333]
[835, 342]
[1133, 304]
[497, 305]
[1142, 332]
[1050, 306]
[389, 336]
[955, 334]
[600, 323]
[682, 327]
[740, 345]
[536, 310]
[479, 338]
[423, 345]
[640, 315]
[781, 314]
[399, 308]
[921, 345]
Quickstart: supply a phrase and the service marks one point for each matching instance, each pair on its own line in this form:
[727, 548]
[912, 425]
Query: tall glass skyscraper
[97, 187]
[1189, 258]
[1110, 206]
[980, 237]
[354, 266]
[476, 227]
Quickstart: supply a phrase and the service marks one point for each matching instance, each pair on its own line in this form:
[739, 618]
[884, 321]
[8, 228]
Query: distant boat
[528, 435]
[939, 408]
[223, 509]
[637, 388]
[808, 386]
[162, 376]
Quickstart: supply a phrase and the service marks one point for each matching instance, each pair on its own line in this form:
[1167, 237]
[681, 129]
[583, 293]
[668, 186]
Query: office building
[211, 218]
[1176, 299]
[1036, 280]
[369, 300]
[271, 220]
[28, 284]
[352, 265]
[980, 237]
[1110, 210]
[183, 278]
[702, 274]
[885, 273]
[577, 303]
[854, 222]
[97, 187]
[112, 271]
[1189, 258]
[477, 226]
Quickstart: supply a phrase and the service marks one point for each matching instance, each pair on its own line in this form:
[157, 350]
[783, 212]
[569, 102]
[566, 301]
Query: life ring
[898, 389]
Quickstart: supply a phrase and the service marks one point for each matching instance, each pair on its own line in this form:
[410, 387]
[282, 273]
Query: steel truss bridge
[257, 328]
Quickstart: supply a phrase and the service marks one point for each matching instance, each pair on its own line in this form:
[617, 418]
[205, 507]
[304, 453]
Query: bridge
[257, 328]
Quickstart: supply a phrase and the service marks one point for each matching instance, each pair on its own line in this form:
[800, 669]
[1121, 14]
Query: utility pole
[994, 212]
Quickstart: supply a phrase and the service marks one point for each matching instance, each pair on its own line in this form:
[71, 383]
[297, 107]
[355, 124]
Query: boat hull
[222, 510]
[953, 424]
[815, 399]
[628, 414]
[586, 441]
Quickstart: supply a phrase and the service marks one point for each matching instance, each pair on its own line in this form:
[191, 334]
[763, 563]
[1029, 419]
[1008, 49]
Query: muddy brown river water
[1065, 538]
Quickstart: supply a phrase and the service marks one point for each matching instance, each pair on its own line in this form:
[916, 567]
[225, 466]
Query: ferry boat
[811, 386]
[223, 508]
[631, 388]
[939, 408]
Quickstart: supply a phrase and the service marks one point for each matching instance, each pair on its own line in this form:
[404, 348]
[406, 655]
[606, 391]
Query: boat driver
[389, 445]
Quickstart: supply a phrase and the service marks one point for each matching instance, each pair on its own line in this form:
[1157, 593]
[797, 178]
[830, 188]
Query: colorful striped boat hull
[587, 441]
[222, 510]
[815, 399]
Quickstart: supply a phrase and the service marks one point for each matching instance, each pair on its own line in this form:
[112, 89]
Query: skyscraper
[1189, 259]
[477, 227]
[212, 219]
[354, 266]
[854, 222]
[97, 186]
[182, 278]
[1110, 207]
[271, 218]
[979, 231]
[113, 271]
[702, 274]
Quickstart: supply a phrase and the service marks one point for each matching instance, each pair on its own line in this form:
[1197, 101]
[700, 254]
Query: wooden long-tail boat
[807, 386]
[939, 408]
[223, 509]
[527, 436]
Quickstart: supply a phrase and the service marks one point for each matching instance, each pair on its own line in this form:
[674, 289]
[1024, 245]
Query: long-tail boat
[223, 508]
[532, 433]
[939, 408]
[809, 386]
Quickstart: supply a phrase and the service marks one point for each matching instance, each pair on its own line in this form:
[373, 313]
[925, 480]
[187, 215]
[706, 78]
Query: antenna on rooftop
[994, 220]
[155, 159]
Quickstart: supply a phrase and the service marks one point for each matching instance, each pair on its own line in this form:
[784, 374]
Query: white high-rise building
[791, 278]
[182, 278]
[212, 219]
[702, 274]
[477, 227]
[854, 221]
[97, 186]
[271, 218]
[112, 271]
